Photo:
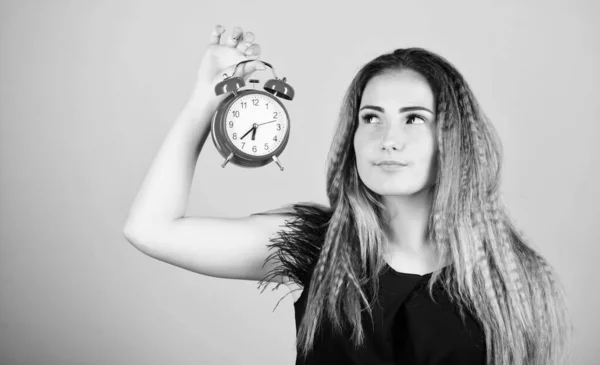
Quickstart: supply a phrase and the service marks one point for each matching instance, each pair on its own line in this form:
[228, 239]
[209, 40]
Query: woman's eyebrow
[401, 110]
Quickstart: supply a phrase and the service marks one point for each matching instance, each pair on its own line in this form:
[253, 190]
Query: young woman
[416, 260]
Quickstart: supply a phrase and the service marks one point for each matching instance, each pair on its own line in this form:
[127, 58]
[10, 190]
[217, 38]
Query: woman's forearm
[164, 194]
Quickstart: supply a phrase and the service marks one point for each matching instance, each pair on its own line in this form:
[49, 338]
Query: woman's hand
[220, 59]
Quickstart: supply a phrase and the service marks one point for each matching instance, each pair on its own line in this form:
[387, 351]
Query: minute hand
[266, 123]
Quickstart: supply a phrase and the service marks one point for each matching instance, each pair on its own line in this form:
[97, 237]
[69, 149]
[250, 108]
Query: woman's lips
[390, 162]
[390, 167]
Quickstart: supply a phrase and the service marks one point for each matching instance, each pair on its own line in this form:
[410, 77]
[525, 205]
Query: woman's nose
[392, 138]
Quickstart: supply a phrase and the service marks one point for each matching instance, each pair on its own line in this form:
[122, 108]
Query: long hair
[495, 275]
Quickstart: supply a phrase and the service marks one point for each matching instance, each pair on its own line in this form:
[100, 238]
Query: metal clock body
[251, 127]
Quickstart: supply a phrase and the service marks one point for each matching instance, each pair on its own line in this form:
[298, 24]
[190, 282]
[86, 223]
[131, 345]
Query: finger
[215, 37]
[253, 51]
[235, 37]
[246, 42]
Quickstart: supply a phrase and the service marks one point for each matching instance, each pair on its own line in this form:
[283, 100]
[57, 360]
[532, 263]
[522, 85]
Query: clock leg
[227, 160]
[278, 163]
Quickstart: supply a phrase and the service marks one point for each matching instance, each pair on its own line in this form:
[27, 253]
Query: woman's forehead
[398, 88]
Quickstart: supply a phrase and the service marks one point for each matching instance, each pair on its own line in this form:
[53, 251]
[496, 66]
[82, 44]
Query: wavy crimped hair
[495, 274]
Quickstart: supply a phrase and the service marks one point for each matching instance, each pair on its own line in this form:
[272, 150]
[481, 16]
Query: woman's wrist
[202, 101]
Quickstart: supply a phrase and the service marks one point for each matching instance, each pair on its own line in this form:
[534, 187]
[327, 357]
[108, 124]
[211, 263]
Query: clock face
[256, 124]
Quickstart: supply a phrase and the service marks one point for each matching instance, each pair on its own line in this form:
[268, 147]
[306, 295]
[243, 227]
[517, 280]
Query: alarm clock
[251, 128]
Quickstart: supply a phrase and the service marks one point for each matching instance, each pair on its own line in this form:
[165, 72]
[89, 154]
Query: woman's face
[397, 122]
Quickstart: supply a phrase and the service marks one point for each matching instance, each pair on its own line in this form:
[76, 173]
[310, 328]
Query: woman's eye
[414, 117]
[367, 118]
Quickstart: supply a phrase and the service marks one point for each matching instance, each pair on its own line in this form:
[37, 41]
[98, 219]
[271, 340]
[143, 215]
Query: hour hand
[253, 130]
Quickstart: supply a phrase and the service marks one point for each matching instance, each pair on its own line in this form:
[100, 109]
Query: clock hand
[255, 128]
[266, 122]
[250, 130]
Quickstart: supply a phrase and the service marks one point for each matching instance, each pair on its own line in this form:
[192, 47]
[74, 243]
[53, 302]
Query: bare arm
[163, 196]
[233, 248]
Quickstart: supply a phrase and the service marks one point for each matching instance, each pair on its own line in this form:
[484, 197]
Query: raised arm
[233, 248]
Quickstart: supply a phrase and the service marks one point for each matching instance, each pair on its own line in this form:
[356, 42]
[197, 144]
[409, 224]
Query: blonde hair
[509, 287]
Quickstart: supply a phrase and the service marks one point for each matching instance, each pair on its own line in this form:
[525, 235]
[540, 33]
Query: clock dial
[256, 124]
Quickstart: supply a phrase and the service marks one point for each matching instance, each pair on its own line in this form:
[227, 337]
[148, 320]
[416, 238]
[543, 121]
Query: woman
[415, 262]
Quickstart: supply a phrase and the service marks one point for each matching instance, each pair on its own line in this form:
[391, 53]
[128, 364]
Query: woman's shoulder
[296, 246]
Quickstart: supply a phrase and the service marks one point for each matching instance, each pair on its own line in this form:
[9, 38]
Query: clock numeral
[266, 146]
[267, 105]
[275, 138]
[243, 143]
[236, 113]
[274, 115]
[244, 105]
[235, 136]
[278, 127]
[231, 124]
[254, 148]
[255, 102]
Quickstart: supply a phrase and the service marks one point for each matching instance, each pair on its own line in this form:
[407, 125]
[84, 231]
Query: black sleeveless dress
[409, 327]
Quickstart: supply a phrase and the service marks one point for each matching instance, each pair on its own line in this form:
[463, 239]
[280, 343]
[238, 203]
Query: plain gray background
[89, 89]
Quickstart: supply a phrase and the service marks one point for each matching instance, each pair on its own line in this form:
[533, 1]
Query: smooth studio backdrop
[89, 90]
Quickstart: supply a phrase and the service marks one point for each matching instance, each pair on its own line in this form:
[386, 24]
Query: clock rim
[220, 131]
